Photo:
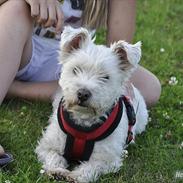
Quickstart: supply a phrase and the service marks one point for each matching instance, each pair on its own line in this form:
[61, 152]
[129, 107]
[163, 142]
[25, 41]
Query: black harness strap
[87, 145]
[131, 118]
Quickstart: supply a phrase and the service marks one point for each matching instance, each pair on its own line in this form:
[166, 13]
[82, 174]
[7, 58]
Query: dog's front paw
[57, 173]
[71, 180]
[79, 177]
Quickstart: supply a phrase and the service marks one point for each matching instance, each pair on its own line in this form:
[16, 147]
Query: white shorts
[44, 65]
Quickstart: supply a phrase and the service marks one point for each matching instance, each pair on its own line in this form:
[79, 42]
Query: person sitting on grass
[29, 43]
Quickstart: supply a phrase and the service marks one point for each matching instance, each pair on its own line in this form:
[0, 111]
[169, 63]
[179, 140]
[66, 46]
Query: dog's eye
[105, 78]
[74, 71]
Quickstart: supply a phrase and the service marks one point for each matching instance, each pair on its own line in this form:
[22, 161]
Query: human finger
[34, 5]
[51, 15]
[43, 16]
[60, 18]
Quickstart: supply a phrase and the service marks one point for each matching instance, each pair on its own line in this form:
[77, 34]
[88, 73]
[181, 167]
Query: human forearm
[43, 91]
[121, 20]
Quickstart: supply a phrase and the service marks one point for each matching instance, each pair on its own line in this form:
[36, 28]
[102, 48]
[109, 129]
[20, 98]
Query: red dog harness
[80, 140]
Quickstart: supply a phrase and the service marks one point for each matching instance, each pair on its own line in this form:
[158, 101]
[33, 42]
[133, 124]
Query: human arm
[121, 20]
[43, 91]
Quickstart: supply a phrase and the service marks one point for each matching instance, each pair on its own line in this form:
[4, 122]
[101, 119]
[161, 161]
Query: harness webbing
[80, 141]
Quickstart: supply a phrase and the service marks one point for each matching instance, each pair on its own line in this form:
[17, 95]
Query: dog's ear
[128, 54]
[73, 39]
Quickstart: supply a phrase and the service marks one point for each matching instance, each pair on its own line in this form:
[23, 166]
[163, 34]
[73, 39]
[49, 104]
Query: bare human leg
[15, 41]
[148, 84]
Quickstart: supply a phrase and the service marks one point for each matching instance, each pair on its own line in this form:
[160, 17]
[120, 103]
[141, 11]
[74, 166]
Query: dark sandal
[5, 159]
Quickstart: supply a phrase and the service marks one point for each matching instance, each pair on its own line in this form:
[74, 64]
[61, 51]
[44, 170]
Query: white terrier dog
[92, 120]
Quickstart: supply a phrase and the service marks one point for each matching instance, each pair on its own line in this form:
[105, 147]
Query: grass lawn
[158, 152]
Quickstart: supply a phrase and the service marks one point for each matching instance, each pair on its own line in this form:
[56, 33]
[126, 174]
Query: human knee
[18, 16]
[17, 9]
[155, 92]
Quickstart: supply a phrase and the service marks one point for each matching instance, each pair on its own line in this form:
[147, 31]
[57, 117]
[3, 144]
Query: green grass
[157, 154]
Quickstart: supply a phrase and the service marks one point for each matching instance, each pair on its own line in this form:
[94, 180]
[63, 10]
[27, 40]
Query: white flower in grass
[149, 119]
[162, 50]
[181, 145]
[166, 116]
[7, 181]
[22, 113]
[173, 80]
[125, 154]
[42, 171]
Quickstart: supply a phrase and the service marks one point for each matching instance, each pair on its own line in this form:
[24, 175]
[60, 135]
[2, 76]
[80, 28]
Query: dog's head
[93, 75]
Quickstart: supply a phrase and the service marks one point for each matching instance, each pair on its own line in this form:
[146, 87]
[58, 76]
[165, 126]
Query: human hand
[47, 13]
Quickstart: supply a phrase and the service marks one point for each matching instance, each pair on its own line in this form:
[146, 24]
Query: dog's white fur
[103, 71]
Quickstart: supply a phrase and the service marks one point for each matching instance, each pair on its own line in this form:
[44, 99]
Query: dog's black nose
[83, 95]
